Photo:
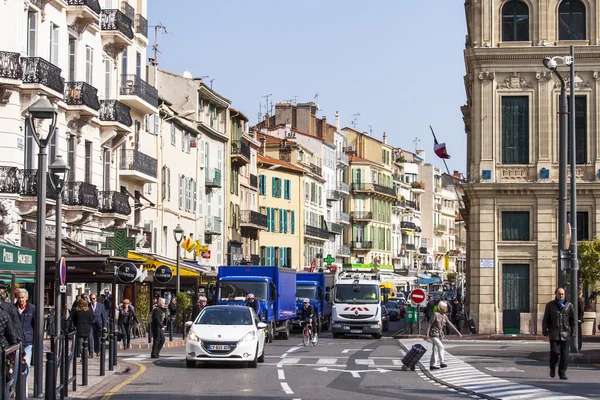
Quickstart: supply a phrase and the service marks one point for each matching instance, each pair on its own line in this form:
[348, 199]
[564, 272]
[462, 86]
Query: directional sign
[63, 270]
[355, 373]
[427, 281]
[329, 259]
[418, 296]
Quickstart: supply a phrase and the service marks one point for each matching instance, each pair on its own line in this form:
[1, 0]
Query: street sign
[63, 270]
[427, 281]
[313, 265]
[329, 259]
[163, 274]
[206, 254]
[418, 296]
[62, 288]
[127, 272]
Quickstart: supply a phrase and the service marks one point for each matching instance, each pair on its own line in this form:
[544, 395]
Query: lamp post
[59, 171]
[178, 235]
[41, 110]
[551, 63]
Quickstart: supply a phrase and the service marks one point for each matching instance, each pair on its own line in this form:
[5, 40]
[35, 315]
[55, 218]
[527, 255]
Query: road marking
[127, 382]
[345, 351]
[505, 369]
[354, 373]
[327, 361]
[363, 361]
[281, 374]
[286, 388]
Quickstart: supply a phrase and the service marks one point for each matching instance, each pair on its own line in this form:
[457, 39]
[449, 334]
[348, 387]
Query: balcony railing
[336, 229]
[135, 160]
[442, 249]
[362, 245]
[440, 228]
[115, 111]
[133, 85]
[342, 158]
[407, 225]
[369, 187]
[115, 20]
[343, 218]
[253, 218]
[213, 225]
[362, 215]
[141, 25]
[10, 179]
[390, 191]
[253, 181]
[239, 147]
[412, 204]
[410, 247]
[315, 169]
[212, 178]
[423, 250]
[343, 251]
[29, 186]
[316, 232]
[10, 65]
[81, 194]
[114, 202]
[343, 187]
[397, 177]
[81, 94]
[333, 195]
[91, 4]
[37, 70]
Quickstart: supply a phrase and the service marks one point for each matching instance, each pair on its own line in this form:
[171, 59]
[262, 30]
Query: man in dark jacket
[27, 318]
[98, 325]
[12, 312]
[198, 307]
[457, 316]
[559, 324]
[7, 332]
[157, 325]
[429, 307]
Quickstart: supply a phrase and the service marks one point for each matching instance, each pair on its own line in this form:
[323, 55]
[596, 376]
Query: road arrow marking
[355, 373]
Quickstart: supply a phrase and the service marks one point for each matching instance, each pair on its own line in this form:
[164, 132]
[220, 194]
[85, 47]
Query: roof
[268, 138]
[237, 114]
[191, 266]
[274, 161]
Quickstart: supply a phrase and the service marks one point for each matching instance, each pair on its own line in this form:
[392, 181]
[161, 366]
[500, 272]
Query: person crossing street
[559, 324]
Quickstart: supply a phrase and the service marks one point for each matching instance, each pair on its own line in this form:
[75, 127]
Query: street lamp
[59, 171]
[178, 234]
[41, 110]
[552, 64]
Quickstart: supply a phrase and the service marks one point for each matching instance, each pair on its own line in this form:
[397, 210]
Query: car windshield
[225, 316]
[401, 302]
[303, 292]
[392, 305]
[238, 290]
[350, 293]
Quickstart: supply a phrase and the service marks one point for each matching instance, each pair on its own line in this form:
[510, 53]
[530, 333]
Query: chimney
[384, 137]
[337, 120]
[263, 144]
[323, 127]
[421, 153]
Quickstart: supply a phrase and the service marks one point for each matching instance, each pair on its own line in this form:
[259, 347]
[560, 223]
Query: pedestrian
[7, 331]
[457, 315]
[99, 324]
[172, 312]
[82, 321]
[198, 307]
[559, 325]
[127, 317]
[11, 310]
[435, 332]
[580, 312]
[213, 296]
[27, 318]
[158, 327]
[429, 307]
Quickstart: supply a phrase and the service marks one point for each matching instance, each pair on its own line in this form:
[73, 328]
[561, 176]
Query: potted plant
[589, 276]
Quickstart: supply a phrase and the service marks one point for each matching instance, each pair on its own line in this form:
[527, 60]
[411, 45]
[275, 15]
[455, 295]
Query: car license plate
[355, 330]
[219, 347]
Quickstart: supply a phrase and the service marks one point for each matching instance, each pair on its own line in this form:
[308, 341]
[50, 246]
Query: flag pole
[458, 198]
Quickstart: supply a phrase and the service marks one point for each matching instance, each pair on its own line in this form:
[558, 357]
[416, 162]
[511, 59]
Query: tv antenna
[416, 142]
[317, 101]
[267, 107]
[355, 120]
[158, 27]
[211, 81]
[370, 130]
[295, 97]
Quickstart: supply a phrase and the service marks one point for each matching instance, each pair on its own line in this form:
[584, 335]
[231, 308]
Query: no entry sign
[418, 296]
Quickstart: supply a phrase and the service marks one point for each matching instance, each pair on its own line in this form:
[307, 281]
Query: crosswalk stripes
[462, 375]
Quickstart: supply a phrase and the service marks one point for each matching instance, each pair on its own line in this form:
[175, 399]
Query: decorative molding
[582, 84]
[543, 42]
[545, 75]
[80, 24]
[486, 43]
[596, 75]
[515, 81]
[113, 50]
[519, 173]
[487, 76]
[5, 94]
[76, 121]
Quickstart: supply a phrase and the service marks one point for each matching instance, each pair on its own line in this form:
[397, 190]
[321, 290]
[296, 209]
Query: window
[181, 191]
[166, 183]
[287, 189]
[71, 152]
[72, 49]
[515, 225]
[138, 64]
[571, 20]
[89, 64]
[137, 127]
[580, 130]
[54, 40]
[173, 133]
[124, 62]
[583, 225]
[515, 22]
[31, 33]
[108, 68]
[276, 187]
[106, 159]
[53, 147]
[88, 162]
[235, 172]
[262, 187]
[515, 287]
[515, 130]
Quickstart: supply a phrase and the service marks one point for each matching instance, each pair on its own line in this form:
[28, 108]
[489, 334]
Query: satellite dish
[187, 74]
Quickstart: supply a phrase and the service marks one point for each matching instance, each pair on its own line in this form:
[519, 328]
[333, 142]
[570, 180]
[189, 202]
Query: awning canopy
[16, 259]
[153, 261]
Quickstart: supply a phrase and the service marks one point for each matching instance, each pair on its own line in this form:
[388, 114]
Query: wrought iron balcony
[412, 204]
[362, 215]
[440, 228]
[212, 178]
[115, 111]
[133, 85]
[36, 70]
[29, 184]
[315, 169]
[373, 187]
[135, 160]
[316, 232]
[399, 203]
[81, 94]
[213, 226]
[423, 250]
[390, 191]
[333, 195]
[410, 247]
[342, 159]
[336, 229]
[115, 20]
[10, 66]
[253, 181]
[80, 194]
[362, 245]
[10, 179]
[407, 225]
[343, 251]
[240, 152]
[91, 4]
[141, 25]
[343, 218]
[253, 219]
[114, 202]
[343, 187]
[128, 10]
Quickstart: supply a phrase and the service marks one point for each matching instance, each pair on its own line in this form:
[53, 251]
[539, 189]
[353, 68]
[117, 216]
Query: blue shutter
[279, 187]
[293, 222]
[268, 219]
[273, 186]
[280, 220]
[285, 221]
[272, 219]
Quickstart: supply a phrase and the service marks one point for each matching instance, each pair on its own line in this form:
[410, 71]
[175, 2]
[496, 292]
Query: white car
[231, 334]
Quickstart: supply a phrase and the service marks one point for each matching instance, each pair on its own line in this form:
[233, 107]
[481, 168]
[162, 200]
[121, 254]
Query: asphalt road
[349, 368]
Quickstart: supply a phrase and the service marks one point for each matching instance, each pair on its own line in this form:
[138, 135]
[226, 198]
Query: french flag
[440, 149]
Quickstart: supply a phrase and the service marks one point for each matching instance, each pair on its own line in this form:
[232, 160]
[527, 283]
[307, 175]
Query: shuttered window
[515, 130]
[515, 225]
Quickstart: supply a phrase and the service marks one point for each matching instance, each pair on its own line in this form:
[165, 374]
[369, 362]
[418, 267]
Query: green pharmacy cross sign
[329, 260]
[121, 243]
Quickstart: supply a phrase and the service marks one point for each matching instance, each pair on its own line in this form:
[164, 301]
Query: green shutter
[273, 186]
[268, 219]
[272, 219]
[293, 222]
[280, 220]
[354, 176]
[285, 221]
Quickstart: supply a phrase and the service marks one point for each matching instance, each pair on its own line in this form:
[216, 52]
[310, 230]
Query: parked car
[225, 334]
[393, 310]
[450, 295]
[401, 302]
[385, 319]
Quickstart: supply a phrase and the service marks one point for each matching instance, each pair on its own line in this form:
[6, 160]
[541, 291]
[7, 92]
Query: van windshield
[306, 292]
[238, 290]
[351, 294]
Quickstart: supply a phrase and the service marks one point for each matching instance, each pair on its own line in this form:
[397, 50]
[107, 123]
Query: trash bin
[412, 314]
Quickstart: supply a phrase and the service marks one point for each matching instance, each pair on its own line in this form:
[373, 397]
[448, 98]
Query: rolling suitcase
[411, 358]
[472, 328]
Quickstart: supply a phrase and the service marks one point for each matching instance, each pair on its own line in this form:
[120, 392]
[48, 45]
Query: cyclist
[253, 304]
[307, 315]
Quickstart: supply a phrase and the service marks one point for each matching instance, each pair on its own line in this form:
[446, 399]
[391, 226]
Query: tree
[589, 266]
[451, 276]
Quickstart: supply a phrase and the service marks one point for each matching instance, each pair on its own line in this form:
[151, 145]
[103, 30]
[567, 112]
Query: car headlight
[193, 337]
[248, 337]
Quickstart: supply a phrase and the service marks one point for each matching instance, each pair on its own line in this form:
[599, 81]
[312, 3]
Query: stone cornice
[532, 189]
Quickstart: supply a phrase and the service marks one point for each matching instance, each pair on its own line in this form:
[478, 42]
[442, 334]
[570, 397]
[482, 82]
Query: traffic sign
[427, 281]
[329, 259]
[63, 270]
[418, 296]
[313, 265]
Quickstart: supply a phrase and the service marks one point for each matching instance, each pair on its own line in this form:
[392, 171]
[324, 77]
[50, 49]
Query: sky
[397, 63]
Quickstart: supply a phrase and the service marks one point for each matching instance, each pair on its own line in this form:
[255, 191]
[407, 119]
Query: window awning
[153, 261]
[16, 259]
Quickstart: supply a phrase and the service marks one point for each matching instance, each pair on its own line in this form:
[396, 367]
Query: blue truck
[273, 287]
[315, 286]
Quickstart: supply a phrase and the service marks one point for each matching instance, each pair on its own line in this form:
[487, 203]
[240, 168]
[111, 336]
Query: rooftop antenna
[267, 107]
[205, 76]
[295, 97]
[317, 101]
[259, 111]
[211, 81]
[158, 27]
[416, 142]
[355, 120]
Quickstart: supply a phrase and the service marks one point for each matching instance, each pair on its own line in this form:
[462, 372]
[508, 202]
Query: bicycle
[308, 335]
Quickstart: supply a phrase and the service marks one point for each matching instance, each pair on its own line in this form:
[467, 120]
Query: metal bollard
[22, 382]
[50, 377]
[115, 348]
[84, 363]
[111, 354]
[170, 329]
[103, 355]
[149, 332]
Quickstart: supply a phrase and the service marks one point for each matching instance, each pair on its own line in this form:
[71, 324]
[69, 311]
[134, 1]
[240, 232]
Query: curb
[573, 358]
[139, 346]
[126, 369]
